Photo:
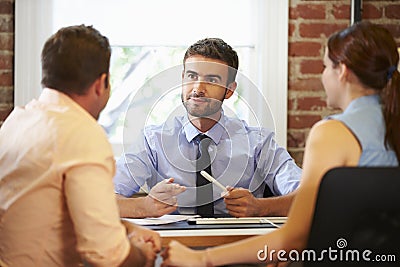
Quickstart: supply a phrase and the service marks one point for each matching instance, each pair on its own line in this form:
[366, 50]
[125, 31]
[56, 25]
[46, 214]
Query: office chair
[267, 192]
[357, 211]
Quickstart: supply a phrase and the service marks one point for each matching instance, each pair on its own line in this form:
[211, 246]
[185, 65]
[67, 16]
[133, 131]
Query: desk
[208, 235]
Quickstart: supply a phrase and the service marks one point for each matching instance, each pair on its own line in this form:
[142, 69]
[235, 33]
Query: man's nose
[199, 87]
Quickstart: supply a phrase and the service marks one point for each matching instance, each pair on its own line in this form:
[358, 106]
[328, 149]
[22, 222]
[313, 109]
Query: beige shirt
[57, 201]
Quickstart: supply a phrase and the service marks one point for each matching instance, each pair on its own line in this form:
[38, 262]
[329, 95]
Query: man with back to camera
[246, 159]
[57, 201]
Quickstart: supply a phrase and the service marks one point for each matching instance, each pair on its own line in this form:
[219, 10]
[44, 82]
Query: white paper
[165, 219]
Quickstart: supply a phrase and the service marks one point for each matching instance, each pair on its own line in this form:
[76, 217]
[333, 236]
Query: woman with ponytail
[360, 78]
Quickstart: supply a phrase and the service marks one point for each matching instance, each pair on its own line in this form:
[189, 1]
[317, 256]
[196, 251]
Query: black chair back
[357, 218]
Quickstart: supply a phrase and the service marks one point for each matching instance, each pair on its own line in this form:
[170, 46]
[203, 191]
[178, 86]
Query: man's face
[204, 85]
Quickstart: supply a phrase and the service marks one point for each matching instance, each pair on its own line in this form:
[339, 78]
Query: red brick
[6, 24]
[309, 84]
[341, 11]
[307, 11]
[311, 103]
[297, 156]
[7, 42]
[6, 7]
[317, 30]
[6, 79]
[311, 66]
[291, 104]
[392, 11]
[302, 121]
[4, 112]
[292, 29]
[305, 49]
[6, 62]
[394, 29]
[6, 95]
[370, 11]
[296, 139]
[293, 14]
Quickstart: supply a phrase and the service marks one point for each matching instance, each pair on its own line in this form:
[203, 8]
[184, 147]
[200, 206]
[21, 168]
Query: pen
[213, 180]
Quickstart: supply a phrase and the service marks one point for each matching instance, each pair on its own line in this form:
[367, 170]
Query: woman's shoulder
[327, 127]
[331, 133]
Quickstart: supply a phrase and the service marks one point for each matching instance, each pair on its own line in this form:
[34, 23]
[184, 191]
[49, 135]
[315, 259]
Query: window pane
[162, 22]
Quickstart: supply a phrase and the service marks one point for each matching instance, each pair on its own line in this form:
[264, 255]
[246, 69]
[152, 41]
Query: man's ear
[230, 89]
[101, 84]
[106, 82]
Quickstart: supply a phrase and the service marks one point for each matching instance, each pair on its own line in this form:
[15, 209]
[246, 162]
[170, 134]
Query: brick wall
[6, 58]
[311, 22]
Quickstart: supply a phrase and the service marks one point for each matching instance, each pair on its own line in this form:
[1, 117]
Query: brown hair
[73, 58]
[217, 49]
[370, 51]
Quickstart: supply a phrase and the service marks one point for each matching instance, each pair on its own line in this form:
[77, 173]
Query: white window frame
[32, 27]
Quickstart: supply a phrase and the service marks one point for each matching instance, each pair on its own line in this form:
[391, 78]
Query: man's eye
[212, 80]
[191, 76]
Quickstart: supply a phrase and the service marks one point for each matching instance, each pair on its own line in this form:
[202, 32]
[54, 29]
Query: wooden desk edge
[209, 238]
[203, 241]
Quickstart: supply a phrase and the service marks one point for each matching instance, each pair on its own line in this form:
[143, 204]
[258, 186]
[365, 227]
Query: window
[150, 36]
[133, 67]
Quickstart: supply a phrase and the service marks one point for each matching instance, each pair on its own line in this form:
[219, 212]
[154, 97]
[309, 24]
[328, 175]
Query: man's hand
[146, 241]
[177, 254]
[136, 232]
[162, 198]
[147, 254]
[240, 202]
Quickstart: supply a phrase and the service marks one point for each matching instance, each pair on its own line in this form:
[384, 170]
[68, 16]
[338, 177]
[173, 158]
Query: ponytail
[391, 110]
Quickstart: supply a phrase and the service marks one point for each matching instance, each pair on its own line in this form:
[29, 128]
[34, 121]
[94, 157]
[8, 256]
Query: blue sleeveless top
[364, 117]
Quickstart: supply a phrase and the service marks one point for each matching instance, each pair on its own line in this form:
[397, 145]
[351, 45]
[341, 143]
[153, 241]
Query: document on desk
[165, 219]
[242, 220]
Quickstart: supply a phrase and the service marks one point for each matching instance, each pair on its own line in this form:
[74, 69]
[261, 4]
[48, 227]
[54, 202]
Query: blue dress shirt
[241, 156]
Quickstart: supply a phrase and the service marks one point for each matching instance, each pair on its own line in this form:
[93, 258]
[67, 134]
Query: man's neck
[85, 102]
[203, 124]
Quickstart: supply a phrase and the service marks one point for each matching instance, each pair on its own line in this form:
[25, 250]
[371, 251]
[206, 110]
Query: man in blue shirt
[245, 159]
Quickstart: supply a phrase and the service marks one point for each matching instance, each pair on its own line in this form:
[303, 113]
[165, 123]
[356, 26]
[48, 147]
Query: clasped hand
[148, 242]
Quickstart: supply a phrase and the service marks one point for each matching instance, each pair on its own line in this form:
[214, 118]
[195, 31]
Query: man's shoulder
[234, 123]
[169, 126]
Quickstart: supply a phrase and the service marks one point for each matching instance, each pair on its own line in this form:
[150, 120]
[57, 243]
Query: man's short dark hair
[73, 58]
[215, 48]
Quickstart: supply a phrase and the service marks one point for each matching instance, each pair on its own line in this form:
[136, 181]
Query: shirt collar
[56, 97]
[366, 100]
[215, 133]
